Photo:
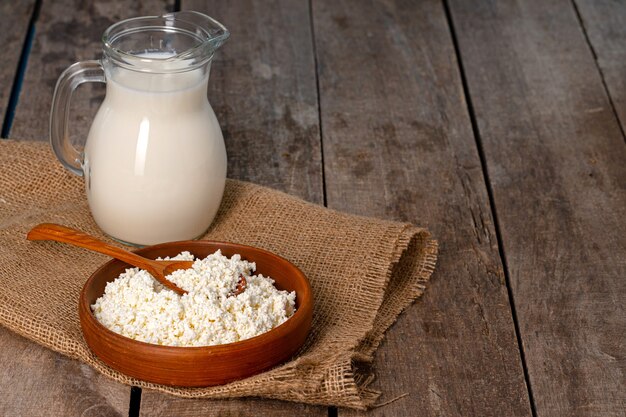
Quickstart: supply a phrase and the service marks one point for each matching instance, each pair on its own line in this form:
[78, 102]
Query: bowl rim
[305, 303]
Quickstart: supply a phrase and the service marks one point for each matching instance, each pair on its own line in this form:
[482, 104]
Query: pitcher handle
[70, 79]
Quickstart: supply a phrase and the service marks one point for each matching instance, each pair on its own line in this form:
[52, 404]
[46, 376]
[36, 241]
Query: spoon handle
[50, 231]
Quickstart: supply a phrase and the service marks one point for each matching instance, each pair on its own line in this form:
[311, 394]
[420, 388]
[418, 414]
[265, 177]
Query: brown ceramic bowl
[200, 366]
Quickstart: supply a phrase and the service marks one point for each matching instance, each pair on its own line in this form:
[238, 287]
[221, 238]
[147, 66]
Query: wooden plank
[14, 29]
[557, 164]
[605, 25]
[36, 381]
[67, 31]
[398, 144]
[263, 91]
[153, 404]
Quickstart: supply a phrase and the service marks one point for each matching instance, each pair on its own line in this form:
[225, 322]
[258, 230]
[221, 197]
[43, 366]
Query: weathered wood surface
[66, 31]
[604, 22]
[36, 381]
[398, 144]
[14, 28]
[153, 404]
[262, 88]
[557, 165]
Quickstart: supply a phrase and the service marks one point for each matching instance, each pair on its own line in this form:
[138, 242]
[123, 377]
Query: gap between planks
[581, 22]
[16, 87]
[319, 114]
[492, 204]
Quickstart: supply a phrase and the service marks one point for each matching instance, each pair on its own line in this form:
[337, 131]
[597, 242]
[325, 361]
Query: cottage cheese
[135, 305]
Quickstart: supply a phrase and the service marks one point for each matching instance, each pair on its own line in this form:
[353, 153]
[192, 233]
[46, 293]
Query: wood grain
[262, 88]
[557, 164]
[605, 24]
[14, 29]
[159, 405]
[37, 381]
[398, 144]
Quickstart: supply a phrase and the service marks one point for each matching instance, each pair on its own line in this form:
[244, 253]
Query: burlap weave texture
[363, 272]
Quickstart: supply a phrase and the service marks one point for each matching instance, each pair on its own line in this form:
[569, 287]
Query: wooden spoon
[158, 269]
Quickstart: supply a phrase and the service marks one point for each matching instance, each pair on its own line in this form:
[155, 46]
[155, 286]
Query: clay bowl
[200, 366]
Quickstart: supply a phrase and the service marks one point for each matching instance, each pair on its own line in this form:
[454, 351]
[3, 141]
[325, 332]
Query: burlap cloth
[363, 271]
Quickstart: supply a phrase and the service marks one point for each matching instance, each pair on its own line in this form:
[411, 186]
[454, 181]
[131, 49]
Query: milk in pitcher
[154, 160]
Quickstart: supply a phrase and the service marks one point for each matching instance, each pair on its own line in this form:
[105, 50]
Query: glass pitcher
[154, 160]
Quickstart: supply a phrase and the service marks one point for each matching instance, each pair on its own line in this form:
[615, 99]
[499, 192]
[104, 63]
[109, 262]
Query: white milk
[155, 161]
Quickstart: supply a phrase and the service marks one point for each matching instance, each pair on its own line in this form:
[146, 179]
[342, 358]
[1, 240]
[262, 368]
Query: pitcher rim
[214, 34]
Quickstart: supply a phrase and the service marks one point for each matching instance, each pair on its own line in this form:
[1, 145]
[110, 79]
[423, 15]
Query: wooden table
[498, 125]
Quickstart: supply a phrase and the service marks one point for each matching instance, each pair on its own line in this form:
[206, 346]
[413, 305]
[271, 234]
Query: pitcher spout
[211, 33]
